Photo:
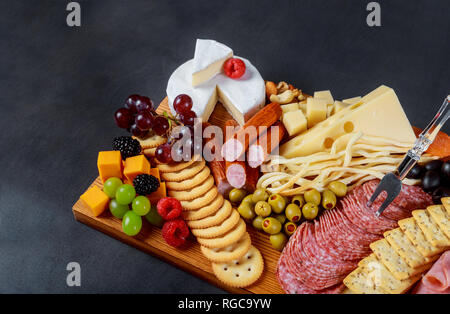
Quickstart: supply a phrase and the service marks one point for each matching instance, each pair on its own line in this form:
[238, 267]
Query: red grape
[188, 117]
[160, 125]
[144, 104]
[144, 120]
[182, 103]
[123, 118]
[130, 103]
[136, 131]
[163, 153]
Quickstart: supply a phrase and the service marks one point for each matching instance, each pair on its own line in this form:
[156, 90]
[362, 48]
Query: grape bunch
[182, 134]
[138, 116]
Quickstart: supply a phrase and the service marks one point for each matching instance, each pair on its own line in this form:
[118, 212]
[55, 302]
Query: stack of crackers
[150, 143]
[400, 259]
[218, 227]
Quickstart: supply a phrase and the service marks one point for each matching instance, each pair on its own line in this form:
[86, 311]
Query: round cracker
[175, 167]
[184, 174]
[206, 211]
[194, 192]
[241, 272]
[153, 140]
[189, 183]
[226, 239]
[214, 219]
[229, 253]
[202, 201]
[216, 231]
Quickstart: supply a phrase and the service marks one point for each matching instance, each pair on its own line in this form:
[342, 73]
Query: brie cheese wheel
[209, 58]
[242, 97]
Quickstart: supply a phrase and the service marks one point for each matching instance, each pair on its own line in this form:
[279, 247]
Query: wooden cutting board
[191, 259]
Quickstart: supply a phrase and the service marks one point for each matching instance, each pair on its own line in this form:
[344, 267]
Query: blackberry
[145, 184]
[128, 146]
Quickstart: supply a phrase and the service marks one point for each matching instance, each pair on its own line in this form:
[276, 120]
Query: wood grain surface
[191, 259]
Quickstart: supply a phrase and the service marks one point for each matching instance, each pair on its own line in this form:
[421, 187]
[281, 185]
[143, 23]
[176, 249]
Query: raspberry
[234, 68]
[169, 208]
[175, 232]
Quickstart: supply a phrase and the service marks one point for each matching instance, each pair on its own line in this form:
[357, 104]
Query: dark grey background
[59, 87]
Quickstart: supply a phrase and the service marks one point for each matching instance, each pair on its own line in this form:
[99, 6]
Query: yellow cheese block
[316, 111]
[403, 246]
[379, 113]
[338, 106]
[295, 122]
[430, 229]
[96, 200]
[325, 95]
[440, 216]
[290, 107]
[416, 236]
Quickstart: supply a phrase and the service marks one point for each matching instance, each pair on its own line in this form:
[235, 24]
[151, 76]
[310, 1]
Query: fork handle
[424, 140]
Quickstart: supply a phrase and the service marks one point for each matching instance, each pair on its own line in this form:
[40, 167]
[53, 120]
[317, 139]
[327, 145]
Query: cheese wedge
[416, 236]
[430, 229]
[401, 244]
[440, 217]
[379, 113]
[209, 58]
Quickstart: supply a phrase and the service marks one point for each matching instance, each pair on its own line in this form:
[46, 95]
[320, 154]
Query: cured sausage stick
[235, 171]
[266, 143]
[235, 147]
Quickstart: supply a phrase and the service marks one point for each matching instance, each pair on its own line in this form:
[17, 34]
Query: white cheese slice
[209, 58]
[379, 113]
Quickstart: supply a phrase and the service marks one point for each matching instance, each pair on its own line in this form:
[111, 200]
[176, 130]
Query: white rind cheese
[209, 58]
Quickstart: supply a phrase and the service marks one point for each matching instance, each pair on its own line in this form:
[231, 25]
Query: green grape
[141, 205]
[118, 210]
[125, 194]
[111, 185]
[131, 223]
[154, 218]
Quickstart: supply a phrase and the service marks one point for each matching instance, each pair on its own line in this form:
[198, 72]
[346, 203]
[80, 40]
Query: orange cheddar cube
[109, 165]
[136, 165]
[96, 200]
[158, 194]
[155, 172]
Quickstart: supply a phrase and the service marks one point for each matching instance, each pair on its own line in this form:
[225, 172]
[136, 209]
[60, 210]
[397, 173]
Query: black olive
[431, 180]
[434, 165]
[440, 193]
[416, 172]
[445, 169]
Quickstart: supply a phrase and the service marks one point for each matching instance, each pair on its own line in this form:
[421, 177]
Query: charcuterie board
[190, 259]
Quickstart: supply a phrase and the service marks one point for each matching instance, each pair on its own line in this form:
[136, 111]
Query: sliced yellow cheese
[316, 111]
[430, 229]
[403, 246]
[384, 278]
[440, 216]
[352, 101]
[360, 282]
[379, 113]
[325, 95]
[295, 122]
[416, 236]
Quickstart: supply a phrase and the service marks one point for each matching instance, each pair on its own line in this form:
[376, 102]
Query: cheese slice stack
[379, 113]
[203, 80]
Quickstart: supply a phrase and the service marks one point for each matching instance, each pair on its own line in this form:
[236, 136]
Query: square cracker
[403, 246]
[396, 265]
[416, 236]
[440, 216]
[359, 281]
[430, 229]
[384, 278]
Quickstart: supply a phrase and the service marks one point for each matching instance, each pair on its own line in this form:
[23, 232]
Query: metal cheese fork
[392, 182]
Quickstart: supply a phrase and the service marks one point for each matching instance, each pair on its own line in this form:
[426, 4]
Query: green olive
[246, 211]
[293, 212]
[257, 223]
[263, 209]
[310, 210]
[248, 199]
[278, 241]
[260, 195]
[271, 225]
[289, 228]
[338, 188]
[312, 196]
[298, 200]
[277, 202]
[281, 218]
[328, 199]
[237, 195]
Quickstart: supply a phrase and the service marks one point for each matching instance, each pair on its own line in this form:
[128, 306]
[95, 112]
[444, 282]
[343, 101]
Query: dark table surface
[60, 85]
